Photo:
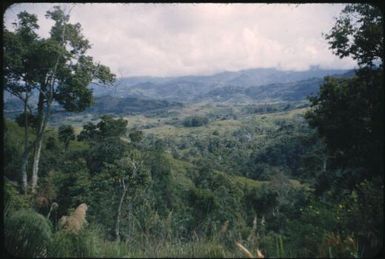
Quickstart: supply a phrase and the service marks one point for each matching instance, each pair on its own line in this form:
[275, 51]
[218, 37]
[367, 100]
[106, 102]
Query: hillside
[152, 94]
[110, 104]
[190, 88]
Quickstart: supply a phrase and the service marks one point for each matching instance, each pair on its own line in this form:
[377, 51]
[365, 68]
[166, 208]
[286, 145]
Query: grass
[244, 181]
[161, 127]
[89, 243]
[160, 249]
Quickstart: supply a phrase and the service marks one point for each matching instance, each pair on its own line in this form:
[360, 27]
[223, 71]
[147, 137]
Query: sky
[199, 39]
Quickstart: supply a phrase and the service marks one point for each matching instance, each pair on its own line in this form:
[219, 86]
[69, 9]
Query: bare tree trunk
[130, 220]
[38, 145]
[43, 119]
[324, 163]
[117, 223]
[27, 149]
[35, 168]
[24, 179]
[39, 138]
[24, 161]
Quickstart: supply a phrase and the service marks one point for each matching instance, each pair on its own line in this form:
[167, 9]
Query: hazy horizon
[312, 67]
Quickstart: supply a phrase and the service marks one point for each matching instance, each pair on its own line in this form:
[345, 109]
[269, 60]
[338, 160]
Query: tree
[66, 134]
[57, 68]
[117, 167]
[72, 183]
[130, 173]
[136, 136]
[107, 127]
[348, 113]
[19, 76]
[26, 120]
[106, 142]
[358, 33]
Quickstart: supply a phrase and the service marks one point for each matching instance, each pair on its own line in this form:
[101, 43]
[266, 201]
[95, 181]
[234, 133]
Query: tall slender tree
[58, 69]
[19, 76]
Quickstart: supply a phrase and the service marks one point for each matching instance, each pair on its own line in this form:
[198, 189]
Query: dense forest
[212, 177]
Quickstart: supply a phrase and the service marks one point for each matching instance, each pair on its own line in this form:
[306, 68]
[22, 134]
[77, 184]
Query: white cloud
[180, 39]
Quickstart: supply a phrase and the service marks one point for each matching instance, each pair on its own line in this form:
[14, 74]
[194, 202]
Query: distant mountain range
[260, 83]
[143, 94]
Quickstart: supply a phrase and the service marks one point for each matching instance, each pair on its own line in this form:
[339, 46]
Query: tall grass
[86, 243]
[279, 247]
[29, 234]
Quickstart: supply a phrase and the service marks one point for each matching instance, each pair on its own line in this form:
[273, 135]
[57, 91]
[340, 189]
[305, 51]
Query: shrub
[13, 201]
[27, 233]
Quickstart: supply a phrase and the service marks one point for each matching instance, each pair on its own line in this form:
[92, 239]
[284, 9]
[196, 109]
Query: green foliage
[131, 169]
[103, 202]
[84, 244]
[57, 68]
[19, 47]
[315, 220]
[361, 206]
[13, 201]
[13, 141]
[160, 168]
[76, 78]
[72, 184]
[52, 154]
[108, 127]
[171, 208]
[136, 136]
[195, 121]
[358, 33]
[31, 120]
[346, 114]
[106, 151]
[66, 134]
[203, 202]
[27, 234]
[260, 201]
[48, 188]
[105, 137]
[89, 132]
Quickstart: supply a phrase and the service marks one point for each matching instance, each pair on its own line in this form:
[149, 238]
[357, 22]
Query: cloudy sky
[184, 39]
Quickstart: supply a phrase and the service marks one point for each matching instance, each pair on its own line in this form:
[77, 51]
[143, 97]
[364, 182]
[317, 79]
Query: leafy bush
[13, 201]
[27, 234]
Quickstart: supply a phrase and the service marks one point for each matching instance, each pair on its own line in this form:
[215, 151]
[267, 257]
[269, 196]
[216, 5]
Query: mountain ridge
[189, 88]
[245, 86]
